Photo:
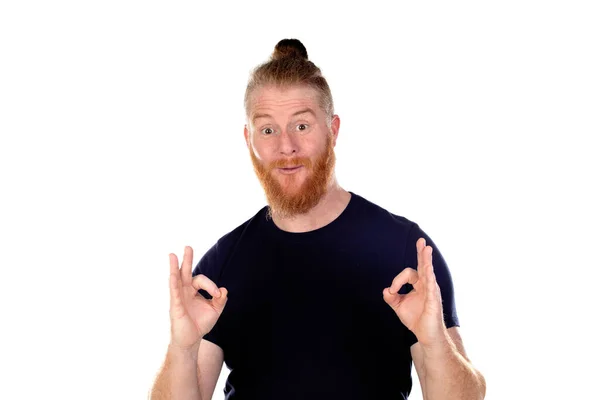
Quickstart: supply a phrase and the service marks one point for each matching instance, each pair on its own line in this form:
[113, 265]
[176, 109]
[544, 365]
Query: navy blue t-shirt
[305, 318]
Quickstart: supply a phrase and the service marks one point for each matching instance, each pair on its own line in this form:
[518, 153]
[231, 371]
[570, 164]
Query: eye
[267, 131]
[302, 127]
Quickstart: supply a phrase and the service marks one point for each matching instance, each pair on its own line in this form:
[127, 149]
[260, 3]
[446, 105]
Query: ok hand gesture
[192, 316]
[420, 310]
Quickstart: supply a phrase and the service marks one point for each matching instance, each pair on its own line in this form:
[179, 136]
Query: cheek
[318, 149]
[259, 152]
[263, 149]
[263, 157]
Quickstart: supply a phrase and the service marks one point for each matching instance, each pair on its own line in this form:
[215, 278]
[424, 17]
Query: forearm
[178, 379]
[449, 375]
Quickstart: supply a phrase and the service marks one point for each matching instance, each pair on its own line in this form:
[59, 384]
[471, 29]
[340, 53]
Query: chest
[292, 290]
[297, 276]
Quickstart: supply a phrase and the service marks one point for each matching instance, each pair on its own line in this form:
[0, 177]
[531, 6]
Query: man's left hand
[420, 310]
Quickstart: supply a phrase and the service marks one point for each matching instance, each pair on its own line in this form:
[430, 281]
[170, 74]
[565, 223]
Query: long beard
[287, 197]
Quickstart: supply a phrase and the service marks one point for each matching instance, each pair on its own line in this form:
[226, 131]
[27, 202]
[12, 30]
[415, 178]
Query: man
[322, 294]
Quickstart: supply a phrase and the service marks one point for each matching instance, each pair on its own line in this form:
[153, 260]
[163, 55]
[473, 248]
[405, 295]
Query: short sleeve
[209, 265]
[442, 274]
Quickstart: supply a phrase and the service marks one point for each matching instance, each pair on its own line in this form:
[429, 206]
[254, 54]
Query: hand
[420, 310]
[192, 316]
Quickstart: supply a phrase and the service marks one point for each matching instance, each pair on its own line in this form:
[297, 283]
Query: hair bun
[289, 48]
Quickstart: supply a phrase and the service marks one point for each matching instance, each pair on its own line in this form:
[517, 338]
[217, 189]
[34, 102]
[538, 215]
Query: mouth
[289, 170]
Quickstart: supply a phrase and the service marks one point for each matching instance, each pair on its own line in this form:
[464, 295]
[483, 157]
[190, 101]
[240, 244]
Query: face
[291, 147]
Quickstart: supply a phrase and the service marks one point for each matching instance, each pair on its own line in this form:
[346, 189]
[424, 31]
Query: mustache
[291, 162]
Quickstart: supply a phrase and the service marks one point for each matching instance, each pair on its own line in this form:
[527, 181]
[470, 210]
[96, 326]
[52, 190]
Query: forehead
[283, 100]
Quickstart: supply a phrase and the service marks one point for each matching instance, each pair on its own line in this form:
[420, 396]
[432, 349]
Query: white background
[122, 140]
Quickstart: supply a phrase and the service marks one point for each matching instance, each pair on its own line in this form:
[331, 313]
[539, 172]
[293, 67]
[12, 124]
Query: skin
[275, 131]
[444, 370]
[272, 133]
[273, 111]
[192, 316]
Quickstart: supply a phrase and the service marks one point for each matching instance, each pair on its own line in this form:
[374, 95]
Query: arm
[192, 364]
[445, 372]
[178, 378]
[210, 363]
[189, 375]
[440, 359]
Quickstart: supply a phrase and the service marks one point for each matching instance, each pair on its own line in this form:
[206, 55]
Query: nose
[288, 145]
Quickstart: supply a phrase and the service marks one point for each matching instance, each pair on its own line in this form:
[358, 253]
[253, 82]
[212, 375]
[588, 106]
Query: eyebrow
[307, 110]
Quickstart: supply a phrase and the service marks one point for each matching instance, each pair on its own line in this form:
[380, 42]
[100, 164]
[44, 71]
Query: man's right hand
[192, 316]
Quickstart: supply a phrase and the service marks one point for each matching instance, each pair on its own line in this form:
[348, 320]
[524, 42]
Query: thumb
[219, 302]
[392, 299]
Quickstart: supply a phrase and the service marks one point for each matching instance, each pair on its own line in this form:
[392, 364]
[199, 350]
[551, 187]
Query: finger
[428, 256]
[186, 266]
[408, 275]
[428, 261]
[421, 243]
[393, 299]
[175, 276]
[203, 282]
[219, 302]
[430, 281]
[174, 285]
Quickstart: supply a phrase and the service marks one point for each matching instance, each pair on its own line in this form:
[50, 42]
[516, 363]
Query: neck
[327, 209]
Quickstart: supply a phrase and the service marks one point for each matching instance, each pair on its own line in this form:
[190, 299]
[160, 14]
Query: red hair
[289, 66]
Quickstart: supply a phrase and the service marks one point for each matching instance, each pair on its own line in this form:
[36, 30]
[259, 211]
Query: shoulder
[375, 213]
[217, 254]
[393, 229]
[390, 235]
[229, 240]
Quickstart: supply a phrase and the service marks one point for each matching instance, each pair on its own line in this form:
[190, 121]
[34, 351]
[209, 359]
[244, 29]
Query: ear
[335, 127]
[247, 136]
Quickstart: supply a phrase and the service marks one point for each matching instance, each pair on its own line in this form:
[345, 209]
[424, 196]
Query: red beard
[286, 196]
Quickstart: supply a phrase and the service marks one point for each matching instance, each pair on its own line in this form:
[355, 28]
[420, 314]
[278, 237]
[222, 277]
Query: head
[291, 130]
